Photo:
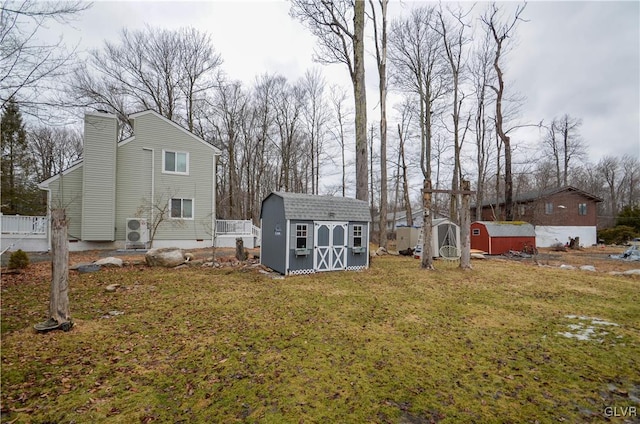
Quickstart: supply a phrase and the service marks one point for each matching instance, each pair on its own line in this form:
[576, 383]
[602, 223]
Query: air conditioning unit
[137, 232]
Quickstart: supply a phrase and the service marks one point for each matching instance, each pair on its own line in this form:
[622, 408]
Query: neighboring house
[496, 238]
[401, 219]
[162, 175]
[303, 233]
[557, 214]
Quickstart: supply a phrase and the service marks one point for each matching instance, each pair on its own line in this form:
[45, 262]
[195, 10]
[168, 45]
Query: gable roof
[533, 195]
[311, 207]
[508, 229]
[170, 122]
[44, 184]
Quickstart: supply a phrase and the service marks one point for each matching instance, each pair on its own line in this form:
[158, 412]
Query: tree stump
[59, 316]
[59, 301]
[241, 252]
[465, 228]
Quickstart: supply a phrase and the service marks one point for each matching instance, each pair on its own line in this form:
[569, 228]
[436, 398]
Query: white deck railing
[37, 225]
[236, 227]
[27, 225]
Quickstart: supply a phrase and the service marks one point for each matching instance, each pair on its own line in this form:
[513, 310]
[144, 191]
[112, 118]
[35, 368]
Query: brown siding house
[557, 214]
[564, 206]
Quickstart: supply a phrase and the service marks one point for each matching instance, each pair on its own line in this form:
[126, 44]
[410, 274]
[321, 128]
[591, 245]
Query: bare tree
[630, 166]
[380, 39]
[609, 169]
[157, 212]
[501, 32]
[288, 101]
[563, 143]
[337, 99]
[316, 114]
[199, 62]
[228, 110]
[417, 63]
[481, 64]
[162, 70]
[29, 64]
[454, 40]
[339, 28]
[265, 155]
[53, 149]
[406, 117]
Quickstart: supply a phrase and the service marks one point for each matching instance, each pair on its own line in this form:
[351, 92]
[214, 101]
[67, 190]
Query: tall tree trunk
[427, 221]
[59, 296]
[381, 58]
[360, 96]
[405, 181]
[465, 227]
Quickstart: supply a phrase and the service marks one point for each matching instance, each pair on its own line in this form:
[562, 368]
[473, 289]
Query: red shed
[497, 237]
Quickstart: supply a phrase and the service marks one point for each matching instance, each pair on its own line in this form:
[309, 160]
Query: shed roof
[531, 196]
[508, 228]
[322, 208]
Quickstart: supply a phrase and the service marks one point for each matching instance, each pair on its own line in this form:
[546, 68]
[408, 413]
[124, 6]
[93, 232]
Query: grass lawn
[392, 344]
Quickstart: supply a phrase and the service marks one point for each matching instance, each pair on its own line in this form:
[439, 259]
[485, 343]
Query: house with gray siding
[304, 234]
[162, 177]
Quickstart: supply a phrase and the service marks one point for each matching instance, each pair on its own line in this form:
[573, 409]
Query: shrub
[18, 260]
[620, 234]
[630, 217]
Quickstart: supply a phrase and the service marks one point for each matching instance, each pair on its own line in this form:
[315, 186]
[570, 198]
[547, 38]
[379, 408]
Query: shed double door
[330, 246]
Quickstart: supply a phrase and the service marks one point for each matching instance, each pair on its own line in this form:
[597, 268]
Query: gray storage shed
[303, 233]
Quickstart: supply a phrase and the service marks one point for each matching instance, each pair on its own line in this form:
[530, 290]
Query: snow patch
[587, 328]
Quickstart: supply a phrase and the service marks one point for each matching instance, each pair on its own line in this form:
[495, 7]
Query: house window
[582, 209]
[548, 208]
[521, 210]
[357, 236]
[182, 208]
[301, 236]
[175, 162]
[475, 231]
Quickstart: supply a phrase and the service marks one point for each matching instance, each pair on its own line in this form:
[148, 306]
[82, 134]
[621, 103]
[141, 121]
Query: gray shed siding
[274, 234]
[99, 184]
[358, 259]
[281, 214]
[300, 262]
[153, 135]
[66, 191]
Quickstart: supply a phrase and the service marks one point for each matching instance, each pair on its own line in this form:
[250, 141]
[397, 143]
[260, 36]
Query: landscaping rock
[75, 267]
[167, 257]
[88, 268]
[110, 261]
[590, 268]
[629, 272]
[563, 266]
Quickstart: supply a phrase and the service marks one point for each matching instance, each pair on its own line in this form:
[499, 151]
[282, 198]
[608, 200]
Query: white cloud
[580, 58]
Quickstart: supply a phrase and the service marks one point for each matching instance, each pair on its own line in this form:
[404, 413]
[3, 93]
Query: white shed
[444, 233]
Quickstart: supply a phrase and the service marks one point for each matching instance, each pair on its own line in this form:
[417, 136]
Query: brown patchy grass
[392, 344]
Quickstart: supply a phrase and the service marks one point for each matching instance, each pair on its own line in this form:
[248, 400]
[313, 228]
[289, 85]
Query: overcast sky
[580, 58]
